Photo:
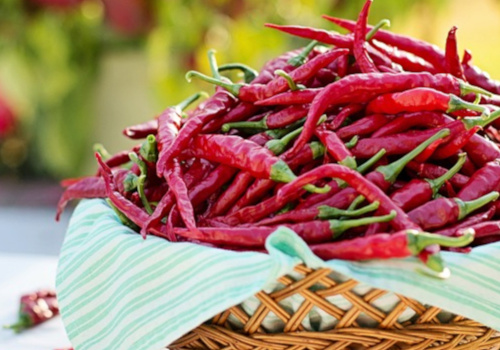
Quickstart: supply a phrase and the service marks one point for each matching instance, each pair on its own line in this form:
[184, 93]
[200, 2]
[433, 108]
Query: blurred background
[76, 72]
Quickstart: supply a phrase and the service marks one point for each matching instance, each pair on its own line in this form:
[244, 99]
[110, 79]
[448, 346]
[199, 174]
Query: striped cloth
[117, 291]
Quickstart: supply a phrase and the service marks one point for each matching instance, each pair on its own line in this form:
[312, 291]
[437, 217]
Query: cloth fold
[118, 291]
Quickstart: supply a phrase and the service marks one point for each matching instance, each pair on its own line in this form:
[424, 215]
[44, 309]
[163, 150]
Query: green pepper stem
[249, 74]
[99, 148]
[130, 182]
[278, 146]
[385, 23]
[293, 86]
[456, 104]
[141, 180]
[317, 149]
[392, 171]
[213, 64]
[471, 122]
[363, 168]
[339, 226]
[123, 218]
[184, 104]
[437, 183]
[465, 208]
[466, 89]
[357, 201]
[258, 125]
[281, 172]
[232, 88]
[418, 241]
[149, 150]
[302, 56]
[352, 142]
[327, 212]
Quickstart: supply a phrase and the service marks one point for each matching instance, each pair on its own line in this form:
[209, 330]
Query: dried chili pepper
[402, 244]
[255, 237]
[345, 113]
[483, 181]
[452, 60]
[35, 308]
[87, 187]
[364, 61]
[336, 147]
[445, 211]
[254, 92]
[470, 221]
[364, 126]
[406, 121]
[419, 191]
[420, 99]
[477, 77]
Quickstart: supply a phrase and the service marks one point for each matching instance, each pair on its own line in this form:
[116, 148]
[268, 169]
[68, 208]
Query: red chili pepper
[405, 142]
[484, 229]
[432, 171]
[35, 308]
[477, 77]
[364, 87]
[260, 187]
[445, 211]
[364, 126]
[255, 236]
[366, 188]
[431, 53]
[142, 130]
[472, 220]
[420, 99]
[87, 187]
[481, 150]
[335, 147]
[364, 61]
[242, 111]
[180, 191]
[401, 244]
[256, 92]
[409, 62]
[419, 191]
[458, 142]
[452, 59]
[345, 113]
[276, 120]
[483, 181]
[220, 103]
[406, 121]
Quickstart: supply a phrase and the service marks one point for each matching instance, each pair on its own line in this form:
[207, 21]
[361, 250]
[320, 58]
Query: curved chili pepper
[276, 120]
[345, 113]
[402, 244]
[334, 184]
[452, 60]
[254, 92]
[432, 171]
[420, 99]
[87, 187]
[365, 125]
[336, 147]
[405, 142]
[419, 191]
[142, 130]
[255, 237]
[364, 87]
[458, 142]
[217, 105]
[366, 188]
[484, 229]
[260, 187]
[472, 220]
[364, 61]
[406, 121]
[180, 191]
[445, 211]
[483, 181]
[242, 111]
[409, 62]
[431, 53]
[34, 309]
[477, 77]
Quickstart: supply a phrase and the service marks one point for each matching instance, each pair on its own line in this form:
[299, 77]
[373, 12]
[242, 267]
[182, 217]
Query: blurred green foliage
[50, 59]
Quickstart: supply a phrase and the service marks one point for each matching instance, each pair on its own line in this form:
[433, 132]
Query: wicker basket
[426, 330]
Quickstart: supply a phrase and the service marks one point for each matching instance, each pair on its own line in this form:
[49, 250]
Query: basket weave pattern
[423, 331]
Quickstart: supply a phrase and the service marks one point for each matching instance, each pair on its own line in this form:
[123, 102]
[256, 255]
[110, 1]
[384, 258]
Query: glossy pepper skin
[36, 308]
[452, 59]
[483, 181]
[335, 147]
[364, 61]
[402, 244]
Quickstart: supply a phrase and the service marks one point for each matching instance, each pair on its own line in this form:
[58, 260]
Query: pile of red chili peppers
[368, 145]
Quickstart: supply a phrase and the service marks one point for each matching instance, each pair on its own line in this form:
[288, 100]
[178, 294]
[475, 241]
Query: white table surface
[19, 274]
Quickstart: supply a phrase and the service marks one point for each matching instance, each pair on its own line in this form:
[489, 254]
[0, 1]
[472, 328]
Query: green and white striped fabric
[117, 291]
